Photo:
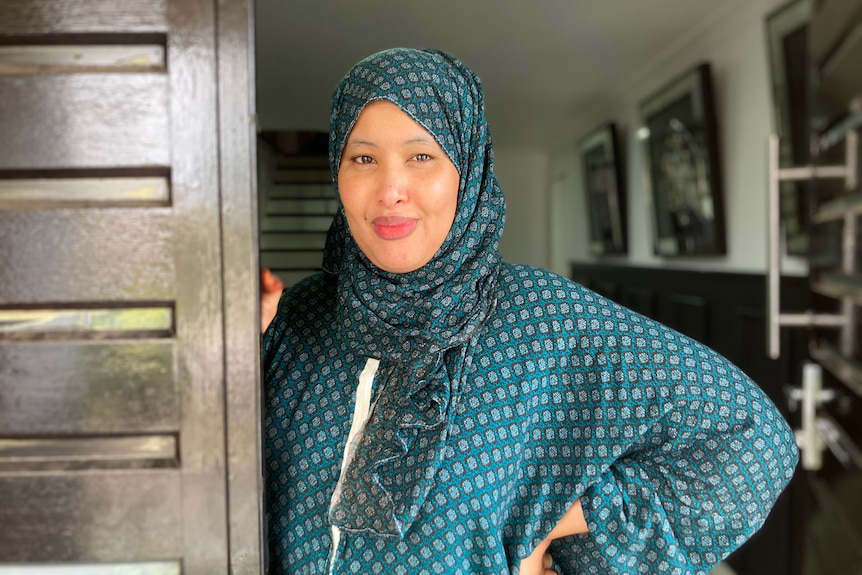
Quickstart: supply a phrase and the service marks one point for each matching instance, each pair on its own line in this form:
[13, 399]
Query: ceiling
[541, 61]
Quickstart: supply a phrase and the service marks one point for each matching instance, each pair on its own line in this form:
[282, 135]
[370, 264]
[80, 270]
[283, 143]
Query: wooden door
[830, 510]
[128, 332]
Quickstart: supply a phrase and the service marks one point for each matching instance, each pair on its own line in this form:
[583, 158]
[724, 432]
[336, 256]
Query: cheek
[450, 196]
[349, 194]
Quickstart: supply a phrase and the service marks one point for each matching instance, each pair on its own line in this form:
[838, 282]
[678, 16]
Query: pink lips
[393, 227]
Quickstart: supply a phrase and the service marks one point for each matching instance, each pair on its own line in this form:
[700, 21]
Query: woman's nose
[392, 187]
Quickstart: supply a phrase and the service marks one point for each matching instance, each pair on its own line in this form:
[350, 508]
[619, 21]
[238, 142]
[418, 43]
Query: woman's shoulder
[530, 293]
[308, 298]
[521, 282]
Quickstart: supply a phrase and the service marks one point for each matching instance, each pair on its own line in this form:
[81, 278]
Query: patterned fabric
[504, 393]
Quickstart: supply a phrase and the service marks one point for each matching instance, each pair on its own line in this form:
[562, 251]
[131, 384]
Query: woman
[431, 409]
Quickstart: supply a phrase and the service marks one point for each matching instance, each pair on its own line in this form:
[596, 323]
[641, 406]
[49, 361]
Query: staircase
[297, 201]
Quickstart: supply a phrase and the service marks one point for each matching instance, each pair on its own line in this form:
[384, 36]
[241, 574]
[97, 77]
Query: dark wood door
[128, 338]
[831, 424]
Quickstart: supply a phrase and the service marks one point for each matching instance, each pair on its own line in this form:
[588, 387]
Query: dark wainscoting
[726, 311]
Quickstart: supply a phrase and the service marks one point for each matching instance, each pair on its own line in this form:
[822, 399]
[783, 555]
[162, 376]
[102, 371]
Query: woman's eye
[422, 157]
[363, 159]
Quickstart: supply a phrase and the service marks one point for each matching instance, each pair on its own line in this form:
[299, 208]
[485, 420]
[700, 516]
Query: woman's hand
[271, 287]
[572, 523]
[539, 563]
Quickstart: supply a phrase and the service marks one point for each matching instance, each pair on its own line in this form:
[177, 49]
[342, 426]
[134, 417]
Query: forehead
[384, 120]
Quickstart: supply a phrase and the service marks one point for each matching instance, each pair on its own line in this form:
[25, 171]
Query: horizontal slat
[292, 277]
[805, 173]
[86, 256]
[846, 370]
[839, 442]
[838, 208]
[22, 59]
[294, 260]
[148, 568]
[88, 453]
[299, 176]
[296, 241]
[307, 207]
[295, 223]
[295, 191]
[40, 324]
[303, 162]
[845, 53]
[840, 131]
[83, 192]
[113, 120]
[840, 285]
[89, 517]
[53, 388]
[82, 16]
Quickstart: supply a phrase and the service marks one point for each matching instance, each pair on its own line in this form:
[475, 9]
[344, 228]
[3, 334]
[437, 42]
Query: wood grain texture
[108, 255]
[197, 254]
[84, 120]
[54, 388]
[82, 16]
[240, 255]
[124, 516]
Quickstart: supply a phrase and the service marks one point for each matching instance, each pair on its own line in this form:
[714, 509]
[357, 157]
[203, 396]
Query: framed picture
[787, 38]
[603, 183]
[683, 174]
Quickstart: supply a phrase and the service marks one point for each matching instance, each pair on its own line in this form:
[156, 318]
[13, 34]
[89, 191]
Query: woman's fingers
[270, 282]
[537, 564]
[271, 287]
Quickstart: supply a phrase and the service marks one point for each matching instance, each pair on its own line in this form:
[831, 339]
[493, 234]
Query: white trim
[362, 406]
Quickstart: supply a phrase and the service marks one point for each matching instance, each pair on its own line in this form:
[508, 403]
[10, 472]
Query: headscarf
[421, 323]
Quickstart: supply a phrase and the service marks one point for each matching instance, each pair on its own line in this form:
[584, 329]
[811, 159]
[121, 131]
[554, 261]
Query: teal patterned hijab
[419, 323]
[442, 303]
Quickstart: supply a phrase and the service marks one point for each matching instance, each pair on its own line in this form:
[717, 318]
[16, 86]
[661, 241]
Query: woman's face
[398, 188]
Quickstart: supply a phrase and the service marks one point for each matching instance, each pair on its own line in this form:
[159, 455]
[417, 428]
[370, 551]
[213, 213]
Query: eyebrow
[357, 142]
[352, 142]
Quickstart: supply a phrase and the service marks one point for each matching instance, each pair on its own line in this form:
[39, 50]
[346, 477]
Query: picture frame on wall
[605, 190]
[683, 173]
[787, 46]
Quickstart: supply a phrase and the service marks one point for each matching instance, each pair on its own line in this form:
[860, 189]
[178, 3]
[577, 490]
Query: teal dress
[442, 421]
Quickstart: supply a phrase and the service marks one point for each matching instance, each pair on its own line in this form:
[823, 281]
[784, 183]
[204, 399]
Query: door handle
[809, 397]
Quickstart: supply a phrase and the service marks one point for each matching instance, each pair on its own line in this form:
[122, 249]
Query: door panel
[119, 441]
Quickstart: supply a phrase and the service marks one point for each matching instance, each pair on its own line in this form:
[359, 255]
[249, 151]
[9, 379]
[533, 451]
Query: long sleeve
[698, 453]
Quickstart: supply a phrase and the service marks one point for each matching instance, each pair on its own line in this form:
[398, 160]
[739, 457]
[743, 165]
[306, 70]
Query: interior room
[557, 74]
[692, 162]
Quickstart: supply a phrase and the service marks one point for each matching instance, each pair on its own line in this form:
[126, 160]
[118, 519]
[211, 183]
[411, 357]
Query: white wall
[522, 175]
[733, 42]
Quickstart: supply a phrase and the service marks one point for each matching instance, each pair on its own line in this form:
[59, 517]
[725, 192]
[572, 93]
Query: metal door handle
[811, 396]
